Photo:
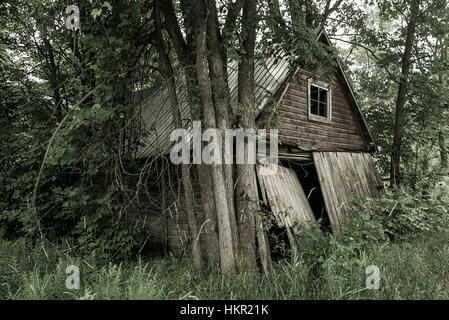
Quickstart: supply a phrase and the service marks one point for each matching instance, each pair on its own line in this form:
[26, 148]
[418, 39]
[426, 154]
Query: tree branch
[370, 51]
[232, 15]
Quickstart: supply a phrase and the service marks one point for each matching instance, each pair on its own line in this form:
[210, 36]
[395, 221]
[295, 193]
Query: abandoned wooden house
[325, 151]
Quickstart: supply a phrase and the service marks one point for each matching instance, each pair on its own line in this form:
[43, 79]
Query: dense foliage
[81, 81]
[69, 136]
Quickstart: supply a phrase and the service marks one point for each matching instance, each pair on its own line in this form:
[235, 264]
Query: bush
[364, 225]
[400, 216]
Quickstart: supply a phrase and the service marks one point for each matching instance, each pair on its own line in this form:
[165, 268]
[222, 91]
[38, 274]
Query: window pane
[323, 110]
[323, 96]
[319, 101]
[314, 107]
[314, 93]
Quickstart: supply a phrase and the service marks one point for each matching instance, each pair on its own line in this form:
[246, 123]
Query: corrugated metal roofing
[269, 75]
[156, 114]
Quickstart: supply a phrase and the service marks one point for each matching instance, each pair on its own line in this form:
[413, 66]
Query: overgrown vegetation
[413, 263]
[69, 140]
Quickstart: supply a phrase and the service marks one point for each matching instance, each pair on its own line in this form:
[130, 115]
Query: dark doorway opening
[308, 177]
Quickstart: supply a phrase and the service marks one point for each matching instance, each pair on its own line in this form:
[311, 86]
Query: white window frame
[328, 88]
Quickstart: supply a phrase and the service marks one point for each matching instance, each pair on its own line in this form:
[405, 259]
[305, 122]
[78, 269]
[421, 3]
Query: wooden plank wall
[342, 174]
[144, 214]
[343, 133]
[287, 199]
[159, 213]
[166, 222]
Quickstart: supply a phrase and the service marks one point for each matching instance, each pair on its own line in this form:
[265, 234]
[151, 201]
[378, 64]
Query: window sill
[319, 118]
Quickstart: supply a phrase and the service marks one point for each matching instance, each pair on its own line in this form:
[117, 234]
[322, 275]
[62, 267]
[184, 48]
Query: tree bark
[168, 74]
[220, 93]
[206, 102]
[443, 150]
[187, 60]
[401, 98]
[210, 228]
[246, 192]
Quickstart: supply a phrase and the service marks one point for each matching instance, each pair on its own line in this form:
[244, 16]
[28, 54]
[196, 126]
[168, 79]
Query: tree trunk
[400, 103]
[443, 150]
[210, 228]
[206, 74]
[168, 74]
[187, 60]
[53, 76]
[246, 192]
[205, 93]
[220, 93]
[441, 138]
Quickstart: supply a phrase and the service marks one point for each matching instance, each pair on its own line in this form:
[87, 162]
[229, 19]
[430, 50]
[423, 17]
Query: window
[319, 101]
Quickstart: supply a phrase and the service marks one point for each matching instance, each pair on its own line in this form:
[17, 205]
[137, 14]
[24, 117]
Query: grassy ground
[417, 269]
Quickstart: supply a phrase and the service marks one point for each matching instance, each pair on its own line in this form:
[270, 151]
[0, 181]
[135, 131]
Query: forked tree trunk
[205, 70]
[221, 97]
[227, 261]
[187, 60]
[167, 73]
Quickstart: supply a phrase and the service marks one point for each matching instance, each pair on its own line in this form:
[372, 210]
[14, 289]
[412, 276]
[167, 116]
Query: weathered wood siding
[342, 174]
[284, 193]
[165, 222]
[158, 212]
[342, 133]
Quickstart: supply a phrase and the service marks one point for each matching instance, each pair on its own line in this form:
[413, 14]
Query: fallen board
[287, 200]
[342, 174]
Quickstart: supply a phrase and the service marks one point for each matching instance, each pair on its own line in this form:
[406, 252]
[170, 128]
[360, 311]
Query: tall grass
[405, 236]
[417, 269]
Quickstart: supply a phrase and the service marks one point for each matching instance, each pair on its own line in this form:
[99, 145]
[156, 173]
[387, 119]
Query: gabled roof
[271, 77]
[355, 105]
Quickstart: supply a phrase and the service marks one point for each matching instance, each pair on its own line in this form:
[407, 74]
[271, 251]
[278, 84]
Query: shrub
[364, 225]
[399, 216]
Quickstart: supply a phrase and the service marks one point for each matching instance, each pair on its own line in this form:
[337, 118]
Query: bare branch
[370, 51]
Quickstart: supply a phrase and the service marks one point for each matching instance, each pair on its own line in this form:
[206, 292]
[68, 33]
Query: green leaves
[100, 114]
[107, 5]
[95, 13]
